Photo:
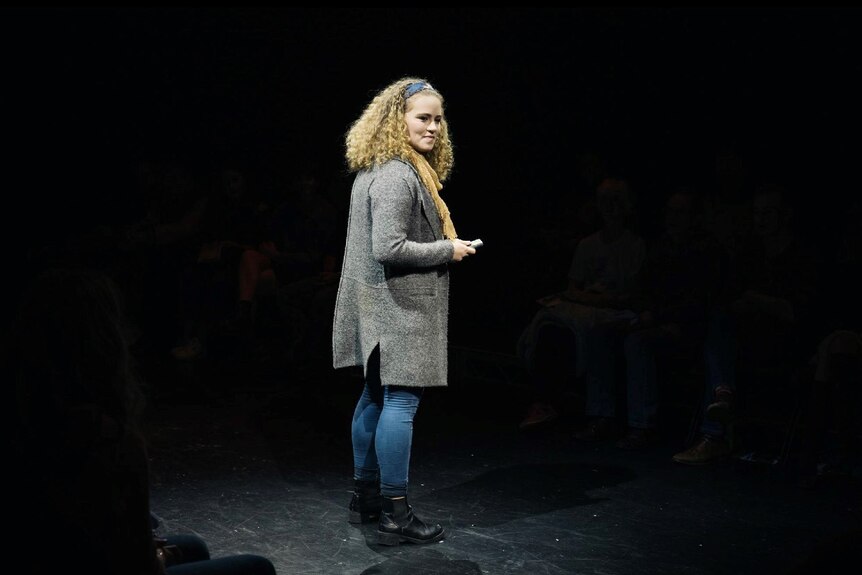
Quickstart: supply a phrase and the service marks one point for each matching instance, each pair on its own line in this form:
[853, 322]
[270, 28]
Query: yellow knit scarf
[432, 182]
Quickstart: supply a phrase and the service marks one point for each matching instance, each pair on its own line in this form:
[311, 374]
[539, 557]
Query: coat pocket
[413, 281]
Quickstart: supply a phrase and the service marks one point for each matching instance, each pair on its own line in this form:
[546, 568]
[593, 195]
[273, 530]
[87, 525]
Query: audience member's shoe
[598, 429]
[192, 350]
[537, 414]
[638, 438]
[709, 449]
[721, 409]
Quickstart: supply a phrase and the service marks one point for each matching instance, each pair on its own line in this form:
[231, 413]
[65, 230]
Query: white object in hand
[476, 244]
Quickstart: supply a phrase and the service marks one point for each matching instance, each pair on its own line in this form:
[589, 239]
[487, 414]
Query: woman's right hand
[462, 250]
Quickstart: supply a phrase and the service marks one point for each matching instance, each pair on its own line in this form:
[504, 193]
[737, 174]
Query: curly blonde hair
[380, 133]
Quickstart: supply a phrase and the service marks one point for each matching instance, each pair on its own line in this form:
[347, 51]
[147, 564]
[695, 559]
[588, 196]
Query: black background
[655, 92]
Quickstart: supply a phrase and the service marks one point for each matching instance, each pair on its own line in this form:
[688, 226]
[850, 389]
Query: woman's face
[423, 116]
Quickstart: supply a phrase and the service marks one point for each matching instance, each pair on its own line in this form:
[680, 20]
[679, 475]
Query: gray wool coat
[394, 287]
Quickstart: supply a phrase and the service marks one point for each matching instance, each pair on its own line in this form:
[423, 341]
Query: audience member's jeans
[600, 344]
[642, 348]
[720, 352]
[382, 431]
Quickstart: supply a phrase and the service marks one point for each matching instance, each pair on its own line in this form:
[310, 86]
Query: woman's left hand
[462, 250]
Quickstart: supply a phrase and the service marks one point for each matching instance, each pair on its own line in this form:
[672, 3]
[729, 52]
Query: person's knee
[402, 398]
[192, 547]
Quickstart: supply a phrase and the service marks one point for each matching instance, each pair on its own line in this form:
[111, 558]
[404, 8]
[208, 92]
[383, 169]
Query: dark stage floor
[261, 463]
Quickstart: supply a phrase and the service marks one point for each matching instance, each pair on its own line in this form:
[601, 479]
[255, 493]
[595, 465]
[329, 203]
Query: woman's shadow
[497, 497]
[520, 491]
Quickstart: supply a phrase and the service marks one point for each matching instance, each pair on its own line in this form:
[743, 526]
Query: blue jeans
[382, 431]
[600, 343]
[643, 349]
[720, 352]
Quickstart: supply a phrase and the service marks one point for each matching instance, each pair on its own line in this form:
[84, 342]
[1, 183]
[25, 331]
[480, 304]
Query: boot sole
[395, 538]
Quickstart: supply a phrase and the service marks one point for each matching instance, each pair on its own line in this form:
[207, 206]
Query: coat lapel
[429, 210]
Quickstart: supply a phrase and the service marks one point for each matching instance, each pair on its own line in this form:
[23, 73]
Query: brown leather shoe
[709, 449]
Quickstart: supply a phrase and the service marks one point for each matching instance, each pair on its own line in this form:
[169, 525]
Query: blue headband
[416, 87]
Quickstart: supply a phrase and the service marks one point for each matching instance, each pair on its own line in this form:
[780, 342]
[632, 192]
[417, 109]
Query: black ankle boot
[398, 524]
[366, 503]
